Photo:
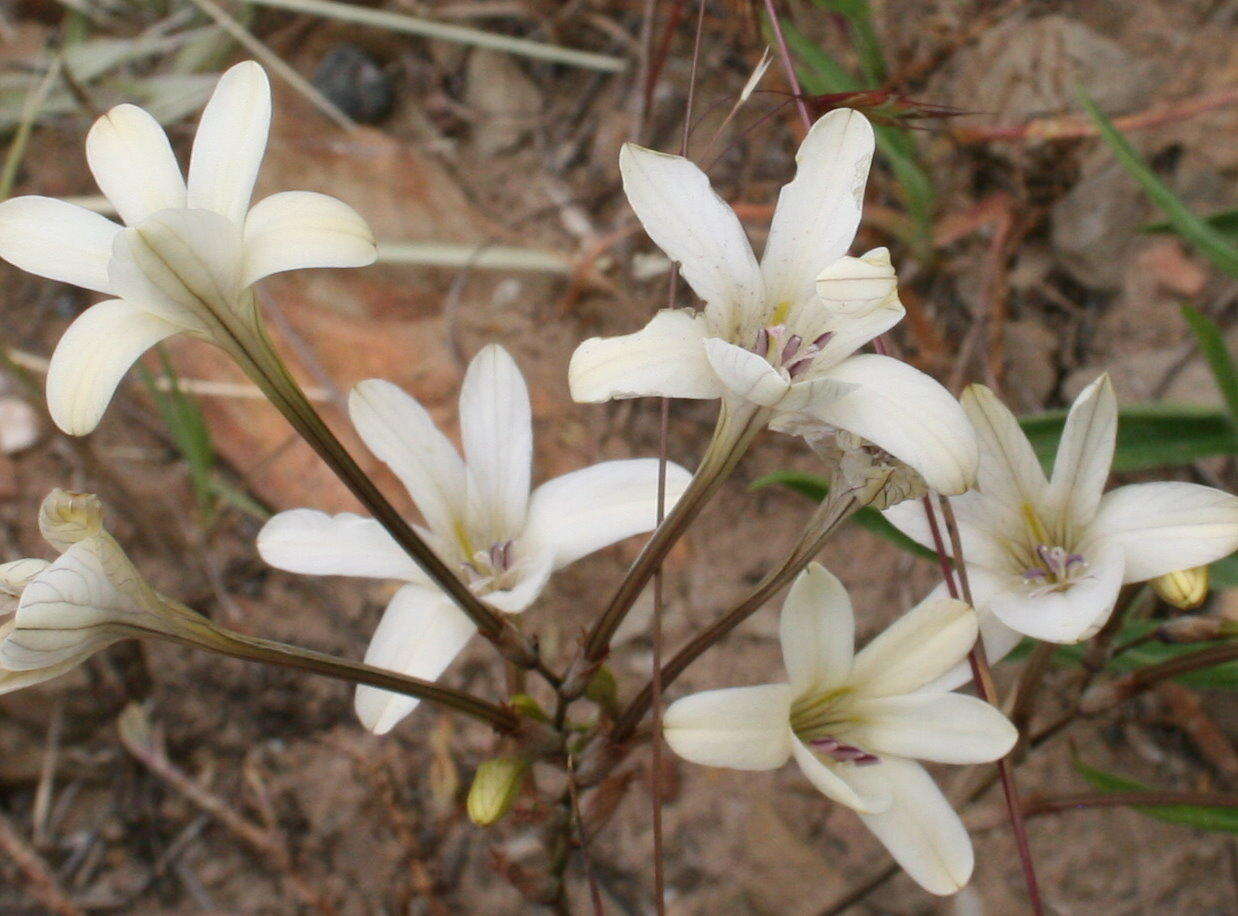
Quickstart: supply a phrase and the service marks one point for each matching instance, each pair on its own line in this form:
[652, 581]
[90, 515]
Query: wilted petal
[93, 355]
[403, 436]
[57, 240]
[920, 829]
[420, 634]
[695, 227]
[1165, 527]
[299, 229]
[818, 212]
[314, 543]
[1068, 616]
[230, 142]
[921, 645]
[941, 727]
[817, 629]
[838, 781]
[743, 728]
[665, 358]
[16, 575]
[907, 413]
[1009, 471]
[1085, 453]
[133, 164]
[184, 265]
[597, 506]
[496, 425]
[745, 374]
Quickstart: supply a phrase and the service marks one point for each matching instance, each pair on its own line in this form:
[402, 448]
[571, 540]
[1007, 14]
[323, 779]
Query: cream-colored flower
[189, 250]
[85, 600]
[1046, 556]
[780, 336]
[482, 519]
[856, 723]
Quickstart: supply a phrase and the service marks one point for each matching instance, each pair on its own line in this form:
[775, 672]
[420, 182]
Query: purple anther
[790, 348]
[823, 339]
[797, 368]
[843, 753]
[761, 345]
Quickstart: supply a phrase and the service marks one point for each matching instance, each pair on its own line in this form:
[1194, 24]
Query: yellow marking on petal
[780, 313]
[1034, 524]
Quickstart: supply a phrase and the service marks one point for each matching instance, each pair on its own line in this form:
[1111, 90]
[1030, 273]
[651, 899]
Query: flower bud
[67, 517]
[1184, 589]
[1192, 628]
[856, 286]
[495, 788]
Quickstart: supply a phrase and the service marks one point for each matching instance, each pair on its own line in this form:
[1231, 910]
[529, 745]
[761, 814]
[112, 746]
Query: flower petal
[420, 634]
[1085, 453]
[980, 522]
[838, 781]
[1009, 471]
[299, 229]
[401, 434]
[665, 358]
[907, 413]
[817, 629]
[93, 355]
[1165, 527]
[941, 727]
[230, 142]
[695, 227]
[745, 374]
[184, 265]
[1067, 616]
[818, 212]
[133, 164]
[496, 426]
[999, 640]
[317, 544]
[743, 728]
[597, 506]
[920, 828]
[534, 573]
[57, 240]
[921, 645]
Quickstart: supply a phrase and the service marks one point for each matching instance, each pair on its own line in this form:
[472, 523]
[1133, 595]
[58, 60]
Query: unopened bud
[1192, 628]
[495, 788]
[856, 286]
[1104, 695]
[602, 689]
[1184, 589]
[66, 517]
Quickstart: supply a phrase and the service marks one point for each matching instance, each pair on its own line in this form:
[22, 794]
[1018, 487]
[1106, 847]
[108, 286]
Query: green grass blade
[1224, 223]
[1195, 230]
[188, 428]
[1212, 345]
[1217, 819]
[1223, 574]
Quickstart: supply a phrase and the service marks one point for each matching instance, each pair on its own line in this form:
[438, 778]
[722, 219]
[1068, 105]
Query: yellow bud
[1185, 589]
[495, 788]
[66, 517]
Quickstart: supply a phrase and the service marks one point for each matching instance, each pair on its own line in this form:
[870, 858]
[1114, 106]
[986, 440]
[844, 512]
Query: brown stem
[788, 67]
[1105, 696]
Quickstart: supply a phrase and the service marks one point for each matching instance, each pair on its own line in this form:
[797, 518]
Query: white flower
[1047, 556]
[780, 336]
[87, 599]
[501, 539]
[192, 248]
[856, 723]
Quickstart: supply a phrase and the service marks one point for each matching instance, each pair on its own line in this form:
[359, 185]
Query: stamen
[797, 368]
[823, 339]
[761, 345]
[790, 348]
[843, 753]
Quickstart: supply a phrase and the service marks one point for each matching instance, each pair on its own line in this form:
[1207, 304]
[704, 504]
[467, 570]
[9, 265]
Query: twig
[787, 66]
[1106, 695]
[43, 885]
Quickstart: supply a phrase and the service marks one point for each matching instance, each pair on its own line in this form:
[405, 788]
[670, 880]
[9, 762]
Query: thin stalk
[1104, 696]
[1144, 798]
[734, 432]
[831, 514]
[984, 681]
[788, 67]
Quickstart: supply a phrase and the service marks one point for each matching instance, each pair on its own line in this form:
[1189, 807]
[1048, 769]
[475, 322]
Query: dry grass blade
[475, 257]
[275, 62]
[399, 22]
[43, 885]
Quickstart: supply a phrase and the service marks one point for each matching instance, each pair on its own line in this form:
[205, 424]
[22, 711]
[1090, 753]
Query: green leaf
[1225, 223]
[1211, 243]
[1219, 677]
[859, 17]
[1223, 574]
[1149, 435]
[1220, 819]
[188, 428]
[869, 519]
[1212, 345]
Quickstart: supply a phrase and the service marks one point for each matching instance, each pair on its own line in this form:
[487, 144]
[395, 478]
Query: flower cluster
[777, 343]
